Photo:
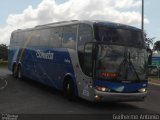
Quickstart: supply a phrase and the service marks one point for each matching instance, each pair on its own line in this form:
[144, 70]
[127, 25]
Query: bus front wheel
[69, 90]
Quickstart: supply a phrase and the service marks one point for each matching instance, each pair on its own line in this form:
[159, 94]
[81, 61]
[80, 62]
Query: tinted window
[26, 36]
[69, 36]
[11, 39]
[119, 35]
[56, 37]
[14, 41]
[21, 39]
[44, 37]
[32, 38]
[87, 67]
[120, 62]
[85, 35]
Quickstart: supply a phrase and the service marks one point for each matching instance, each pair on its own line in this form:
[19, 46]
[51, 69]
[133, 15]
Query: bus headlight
[103, 89]
[142, 90]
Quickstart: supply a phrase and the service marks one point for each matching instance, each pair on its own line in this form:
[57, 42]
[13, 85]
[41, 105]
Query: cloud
[49, 11]
[127, 3]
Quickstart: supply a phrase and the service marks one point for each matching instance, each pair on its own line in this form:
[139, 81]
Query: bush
[3, 52]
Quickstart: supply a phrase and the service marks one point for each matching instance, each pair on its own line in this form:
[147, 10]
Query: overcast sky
[19, 14]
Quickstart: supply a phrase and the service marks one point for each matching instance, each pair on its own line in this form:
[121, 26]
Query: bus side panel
[47, 71]
[13, 54]
[28, 64]
[83, 83]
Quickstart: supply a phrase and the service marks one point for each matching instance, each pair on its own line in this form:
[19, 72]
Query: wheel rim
[19, 73]
[14, 72]
[68, 88]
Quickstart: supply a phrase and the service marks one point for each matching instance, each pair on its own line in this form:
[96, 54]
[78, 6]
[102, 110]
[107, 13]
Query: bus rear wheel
[14, 72]
[19, 72]
[69, 90]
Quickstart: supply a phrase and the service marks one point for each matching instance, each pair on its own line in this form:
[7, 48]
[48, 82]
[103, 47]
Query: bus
[93, 60]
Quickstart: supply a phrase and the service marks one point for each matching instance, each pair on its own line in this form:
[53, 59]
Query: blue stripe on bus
[128, 87]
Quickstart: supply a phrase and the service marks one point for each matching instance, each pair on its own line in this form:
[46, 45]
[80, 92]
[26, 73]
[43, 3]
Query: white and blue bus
[94, 60]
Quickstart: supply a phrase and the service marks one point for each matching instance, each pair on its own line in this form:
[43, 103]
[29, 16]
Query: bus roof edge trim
[56, 23]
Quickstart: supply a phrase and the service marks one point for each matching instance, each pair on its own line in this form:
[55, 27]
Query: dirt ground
[154, 79]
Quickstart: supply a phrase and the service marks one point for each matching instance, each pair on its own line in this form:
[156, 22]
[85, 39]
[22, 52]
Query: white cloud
[49, 11]
[127, 3]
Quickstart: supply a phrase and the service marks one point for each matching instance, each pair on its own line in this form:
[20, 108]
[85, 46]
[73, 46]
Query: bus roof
[63, 23]
[116, 25]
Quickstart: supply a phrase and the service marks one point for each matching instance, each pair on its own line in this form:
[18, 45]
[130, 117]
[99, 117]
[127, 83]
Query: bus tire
[14, 71]
[69, 90]
[19, 72]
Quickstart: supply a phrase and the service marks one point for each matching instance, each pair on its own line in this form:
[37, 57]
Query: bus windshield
[121, 36]
[114, 61]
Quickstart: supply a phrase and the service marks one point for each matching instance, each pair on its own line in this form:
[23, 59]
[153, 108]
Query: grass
[3, 63]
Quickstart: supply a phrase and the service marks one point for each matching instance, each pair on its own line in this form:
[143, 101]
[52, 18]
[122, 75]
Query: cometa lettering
[44, 55]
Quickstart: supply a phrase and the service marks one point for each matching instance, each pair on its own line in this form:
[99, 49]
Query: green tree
[3, 52]
[157, 46]
[149, 41]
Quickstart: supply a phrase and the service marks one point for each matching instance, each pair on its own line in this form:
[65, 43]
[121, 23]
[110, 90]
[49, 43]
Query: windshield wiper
[131, 64]
[123, 64]
[127, 63]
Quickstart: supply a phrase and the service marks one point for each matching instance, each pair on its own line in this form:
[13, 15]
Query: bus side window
[33, 37]
[12, 39]
[15, 39]
[25, 36]
[56, 37]
[69, 36]
[21, 39]
[85, 36]
[44, 37]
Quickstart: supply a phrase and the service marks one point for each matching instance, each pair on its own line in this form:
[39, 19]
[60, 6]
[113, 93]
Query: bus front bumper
[119, 97]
